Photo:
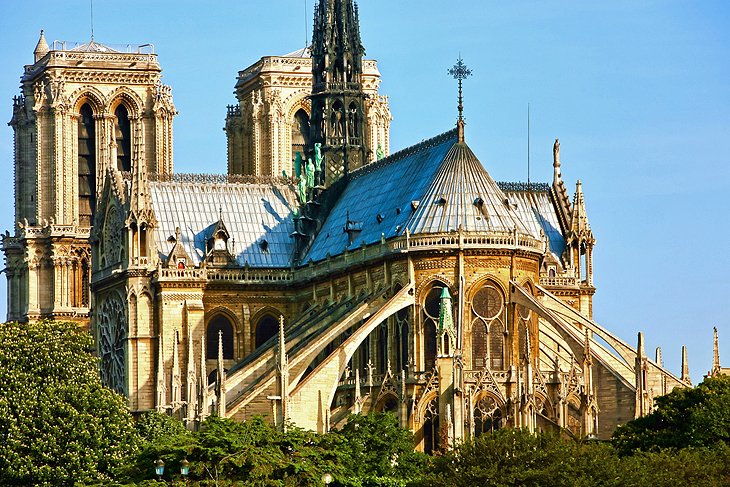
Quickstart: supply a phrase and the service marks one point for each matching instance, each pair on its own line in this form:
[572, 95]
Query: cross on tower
[460, 72]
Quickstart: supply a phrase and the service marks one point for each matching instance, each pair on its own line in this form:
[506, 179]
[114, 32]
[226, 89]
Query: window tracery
[112, 336]
[488, 325]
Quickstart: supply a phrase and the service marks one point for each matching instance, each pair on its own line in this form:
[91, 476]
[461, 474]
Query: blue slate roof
[537, 211]
[384, 188]
[436, 186]
[251, 213]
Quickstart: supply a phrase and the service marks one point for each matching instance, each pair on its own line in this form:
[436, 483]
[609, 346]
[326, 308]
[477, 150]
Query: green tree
[686, 417]
[58, 424]
[377, 451]
[513, 457]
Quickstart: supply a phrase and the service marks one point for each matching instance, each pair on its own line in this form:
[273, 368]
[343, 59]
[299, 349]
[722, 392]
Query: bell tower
[339, 118]
[84, 109]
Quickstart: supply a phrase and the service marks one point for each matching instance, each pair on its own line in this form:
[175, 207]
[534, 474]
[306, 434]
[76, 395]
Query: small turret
[41, 49]
[685, 367]
[715, 353]
[643, 400]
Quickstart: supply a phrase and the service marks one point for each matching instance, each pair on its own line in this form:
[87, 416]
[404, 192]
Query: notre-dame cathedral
[322, 275]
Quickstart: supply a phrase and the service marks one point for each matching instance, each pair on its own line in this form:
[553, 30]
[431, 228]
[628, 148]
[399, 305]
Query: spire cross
[460, 72]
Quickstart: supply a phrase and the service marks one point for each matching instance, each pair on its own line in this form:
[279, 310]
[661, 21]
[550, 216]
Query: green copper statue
[380, 153]
[310, 174]
[318, 159]
[298, 165]
[302, 186]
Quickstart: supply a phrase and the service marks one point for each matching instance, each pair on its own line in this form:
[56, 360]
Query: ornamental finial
[460, 72]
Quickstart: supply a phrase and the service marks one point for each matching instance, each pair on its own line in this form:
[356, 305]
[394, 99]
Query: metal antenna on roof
[306, 25]
[528, 147]
[460, 72]
[91, 2]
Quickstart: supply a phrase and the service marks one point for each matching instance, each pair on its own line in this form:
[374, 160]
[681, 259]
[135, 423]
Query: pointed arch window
[299, 133]
[487, 416]
[431, 427]
[123, 132]
[382, 347]
[267, 327]
[487, 327]
[402, 324]
[430, 317]
[86, 165]
[223, 325]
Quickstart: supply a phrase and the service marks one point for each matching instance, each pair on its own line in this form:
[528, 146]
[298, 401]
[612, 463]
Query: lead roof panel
[535, 208]
[379, 197]
[251, 213]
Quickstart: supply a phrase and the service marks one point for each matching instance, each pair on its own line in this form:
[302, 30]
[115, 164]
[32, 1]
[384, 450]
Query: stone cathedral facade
[320, 276]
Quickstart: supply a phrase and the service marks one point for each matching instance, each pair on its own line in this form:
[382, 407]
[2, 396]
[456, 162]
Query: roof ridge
[403, 153]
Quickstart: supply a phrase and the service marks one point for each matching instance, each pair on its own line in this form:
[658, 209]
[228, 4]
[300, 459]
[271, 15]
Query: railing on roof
[102, 48]
[464, 240]
[251, 275]
[247, 275]
[218, 178]
[521, 186]
[558, 281]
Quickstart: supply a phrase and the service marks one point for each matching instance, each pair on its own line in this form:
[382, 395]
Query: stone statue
[310, 173]
[298, 165]
[302, 187]
[318, 159]
[556, 151]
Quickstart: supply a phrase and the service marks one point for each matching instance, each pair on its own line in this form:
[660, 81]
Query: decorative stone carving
[112, 335]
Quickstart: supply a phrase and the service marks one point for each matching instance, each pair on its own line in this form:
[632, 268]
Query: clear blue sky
[637, 91]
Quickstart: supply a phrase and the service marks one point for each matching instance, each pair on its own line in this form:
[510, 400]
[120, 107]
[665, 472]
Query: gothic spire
[685, 367]
[161, 387]
[339, 115]
[191, 397]
[715, 353]
[460, 72]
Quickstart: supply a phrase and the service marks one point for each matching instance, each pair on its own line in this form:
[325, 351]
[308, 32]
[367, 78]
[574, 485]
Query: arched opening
[431, 427]
[337, 120]
[478, 344]
[299, 132]
[382, 347]
[219, 326]
[496, 346]
[402, 345]
[353, 122]
[267, 327]
[524, 339]
[123, 133]
[488, 318]
[87, 165]
[430, 316]
[363, 352]
[388, 404]
[487, 416]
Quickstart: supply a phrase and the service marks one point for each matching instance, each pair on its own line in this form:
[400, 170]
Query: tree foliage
[368, 451]
[58, 424]
[518, 458]
[686, 417]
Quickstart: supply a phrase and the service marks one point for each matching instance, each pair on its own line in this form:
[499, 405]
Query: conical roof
[41, 49]
[463, 195]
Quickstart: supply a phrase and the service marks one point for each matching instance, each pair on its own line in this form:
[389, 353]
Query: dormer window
[219, 243]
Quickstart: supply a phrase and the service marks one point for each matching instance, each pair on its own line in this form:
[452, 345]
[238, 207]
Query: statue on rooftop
[310, 173]
[318, 159]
